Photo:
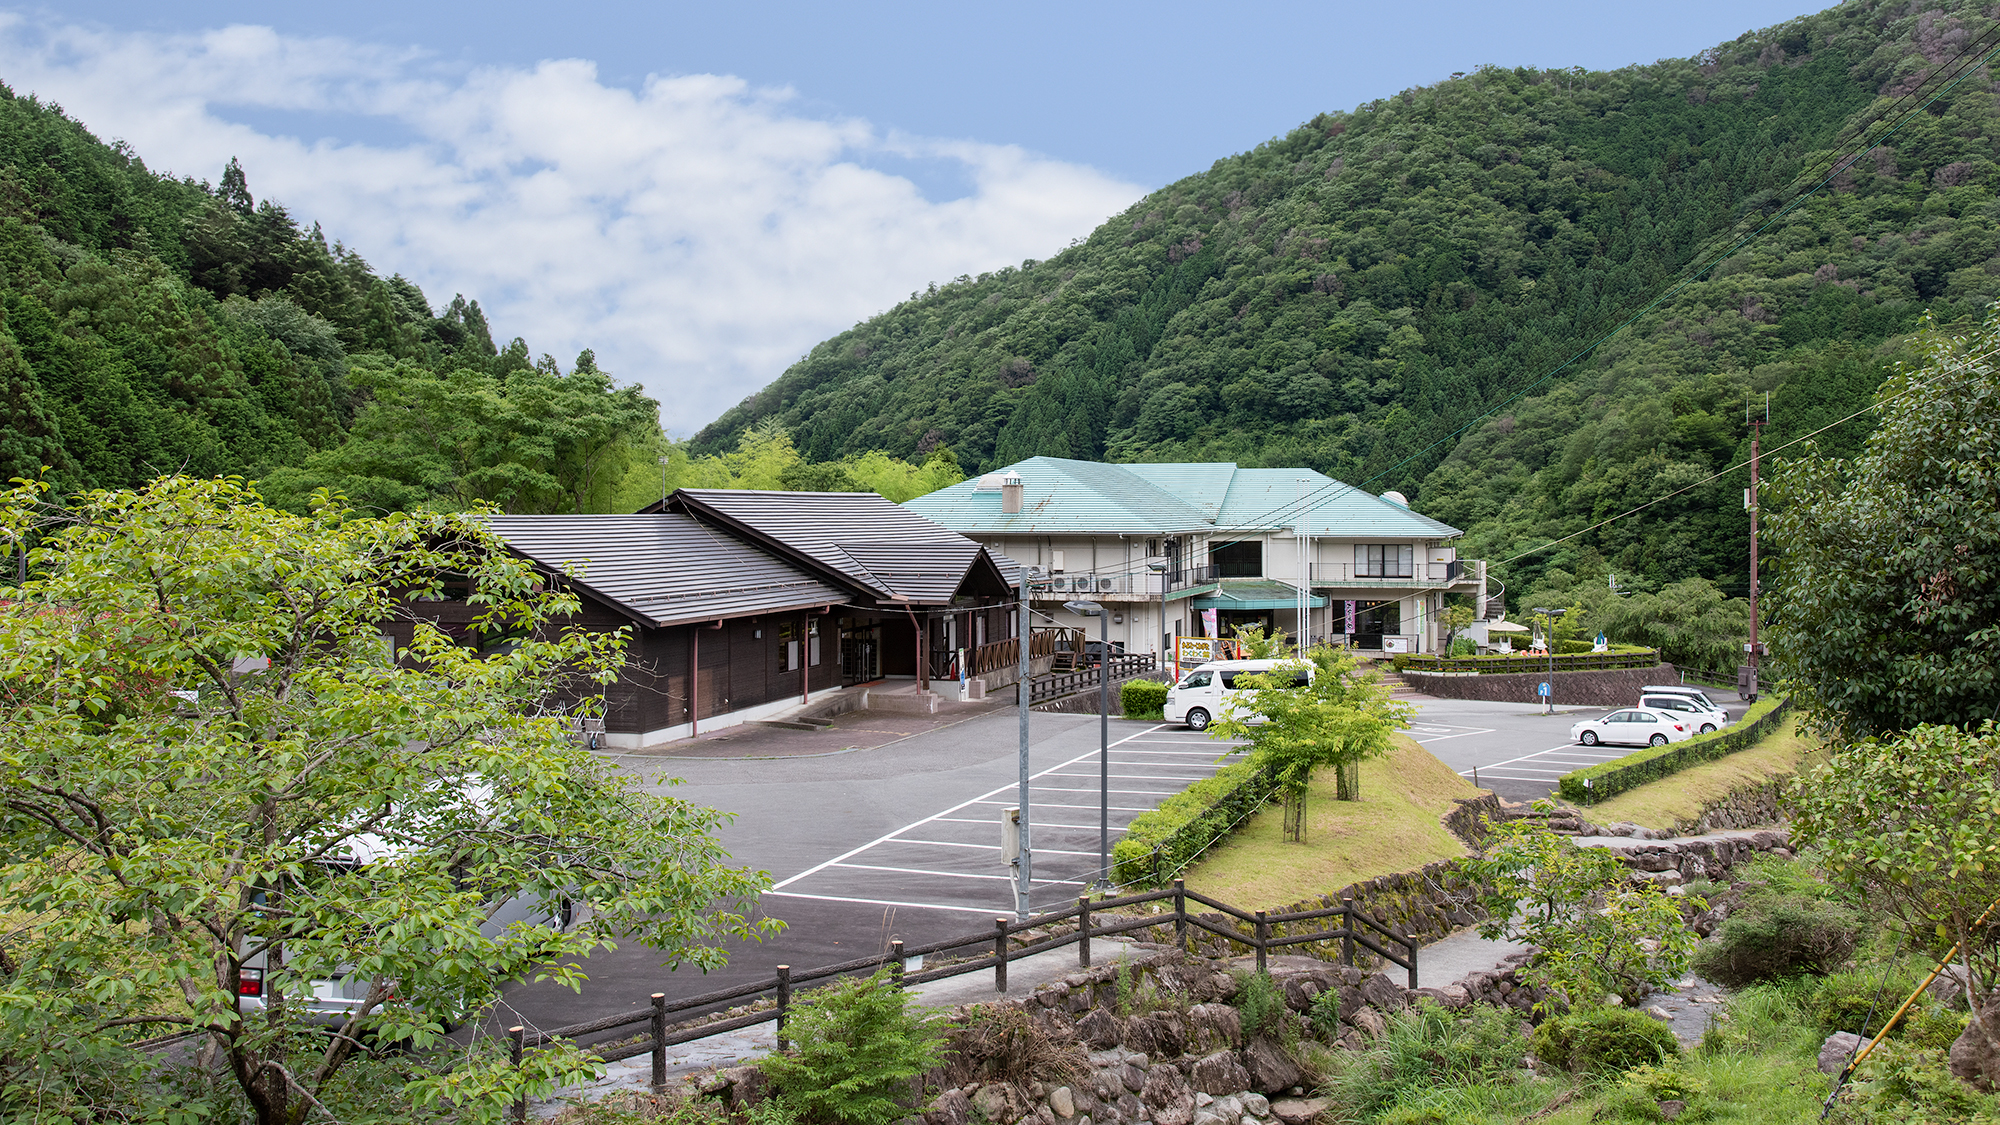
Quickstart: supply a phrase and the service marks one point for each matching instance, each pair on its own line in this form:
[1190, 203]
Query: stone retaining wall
[1611, 687]
[1751, 806]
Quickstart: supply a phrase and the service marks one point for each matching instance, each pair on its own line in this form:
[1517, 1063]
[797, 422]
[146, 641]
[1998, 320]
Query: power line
[1713, 476]
[1823, 179]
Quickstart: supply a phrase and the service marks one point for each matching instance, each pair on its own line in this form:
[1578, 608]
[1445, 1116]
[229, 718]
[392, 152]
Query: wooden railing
[996, 656]
[1355, 928]
[1059, 684]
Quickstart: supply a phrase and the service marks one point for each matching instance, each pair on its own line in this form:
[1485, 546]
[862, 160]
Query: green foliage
[1187, 823]
[1260, 1002]
[1597, 1039]
[1254, 643]
[1355, 292]
[1641, 1089]
[1142, 699]
[1341, 718]
[857, 1046]
[1426, 1048]
[166, 809]
[1608, 779]
[1770, 936]
[1883, 606]
[1596, 934]
[1909, 826]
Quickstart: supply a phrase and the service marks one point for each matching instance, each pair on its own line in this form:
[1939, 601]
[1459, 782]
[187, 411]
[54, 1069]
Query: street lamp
[663, 480]
[1549, 618]
[1166, 637]
[1022, 693]
[1093, 609]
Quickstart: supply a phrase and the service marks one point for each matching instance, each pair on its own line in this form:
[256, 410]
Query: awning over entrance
[1255, 593]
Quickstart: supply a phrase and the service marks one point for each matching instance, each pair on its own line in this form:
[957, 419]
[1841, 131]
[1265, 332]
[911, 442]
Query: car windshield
[1197, 679]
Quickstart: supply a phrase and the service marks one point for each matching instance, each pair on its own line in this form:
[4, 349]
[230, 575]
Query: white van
[1206, 692]
[1693, 704]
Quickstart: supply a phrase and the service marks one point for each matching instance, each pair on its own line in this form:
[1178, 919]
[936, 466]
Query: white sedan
[1634, 727]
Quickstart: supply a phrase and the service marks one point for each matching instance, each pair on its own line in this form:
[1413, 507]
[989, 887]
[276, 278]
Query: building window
[812, 642]
[788, 647]
[1238, 560]
[1382, 560]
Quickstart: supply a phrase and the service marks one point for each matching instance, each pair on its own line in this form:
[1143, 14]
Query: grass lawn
[1394, 827]
[1657, 804]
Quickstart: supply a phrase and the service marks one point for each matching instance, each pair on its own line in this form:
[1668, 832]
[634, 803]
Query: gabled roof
[1065, 497]
[665, 569]
[877, 546]
[1061, 496]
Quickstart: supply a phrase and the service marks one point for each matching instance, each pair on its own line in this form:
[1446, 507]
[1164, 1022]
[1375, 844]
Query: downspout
[805, 659]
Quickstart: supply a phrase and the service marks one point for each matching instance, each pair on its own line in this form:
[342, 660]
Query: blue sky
[701, 192]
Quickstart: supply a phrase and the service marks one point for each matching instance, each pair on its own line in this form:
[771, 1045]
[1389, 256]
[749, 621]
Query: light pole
[1093, 609]
[1166, 637]
[1549, 623]
[663, 480]
[1026, 858]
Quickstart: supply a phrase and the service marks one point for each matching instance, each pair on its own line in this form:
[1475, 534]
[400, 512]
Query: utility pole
[1025, 685]
[1754, 649]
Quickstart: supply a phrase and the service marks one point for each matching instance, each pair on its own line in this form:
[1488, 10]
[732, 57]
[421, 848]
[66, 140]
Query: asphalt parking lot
[1514, 749]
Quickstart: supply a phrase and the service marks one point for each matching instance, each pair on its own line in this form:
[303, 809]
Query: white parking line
[985, 913]
[950, 874]
[1057, 805]
[989, 822]
[979, 800]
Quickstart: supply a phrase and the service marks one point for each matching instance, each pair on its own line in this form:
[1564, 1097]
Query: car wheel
[1589, 738]
[1197, 719]
[1657, 740]
[1707, 728]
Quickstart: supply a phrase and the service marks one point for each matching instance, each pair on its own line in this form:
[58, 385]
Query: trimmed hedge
[1653, 763]
[1188, 822]
[1142, 698]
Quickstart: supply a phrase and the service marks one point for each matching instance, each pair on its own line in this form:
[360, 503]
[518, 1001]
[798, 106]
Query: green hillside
[1354, 296]
[151, 325]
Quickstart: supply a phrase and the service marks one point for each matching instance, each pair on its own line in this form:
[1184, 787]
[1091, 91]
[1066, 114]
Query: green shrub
[1260, 1002]
[1188, 822]
[1858, 1001]
[1143, 699]
[1603, 1040]
[1644, 1087]
[1423, 1050]
[1635, 769]
[856, 1047]
[1777, 936]
[1325, 1015]
[1401, 661]
[1934, 1029]
[1463, 646]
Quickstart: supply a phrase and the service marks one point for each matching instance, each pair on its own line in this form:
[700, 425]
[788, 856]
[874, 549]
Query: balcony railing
[1344, 574]
[1144, 584]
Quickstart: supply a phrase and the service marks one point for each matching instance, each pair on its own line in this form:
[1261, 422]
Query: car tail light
[1677, 726]
[250, 982]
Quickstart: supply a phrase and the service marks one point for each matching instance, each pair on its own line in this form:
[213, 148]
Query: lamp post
[1549, 621]
[663, 480]
[1093, 609]
[1022, 692]
[1166, 637]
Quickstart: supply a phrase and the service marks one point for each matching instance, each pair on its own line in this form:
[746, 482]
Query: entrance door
[861, 655]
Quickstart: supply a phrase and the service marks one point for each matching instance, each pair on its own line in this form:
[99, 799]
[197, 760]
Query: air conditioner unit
[1106, 585]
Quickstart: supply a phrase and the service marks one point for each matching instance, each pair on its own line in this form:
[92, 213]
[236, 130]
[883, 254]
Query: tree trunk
[1347, 780]
[1295, 815]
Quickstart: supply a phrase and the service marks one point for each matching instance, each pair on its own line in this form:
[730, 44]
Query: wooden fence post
[1347, 932]
[1156, 865]
[515, 1035]
[784, 1001]
[1083, 932]
[896, 964]
[1000, 955]
[1410, 951]
[1262, 930]
[659, 1040]
[1180, 915]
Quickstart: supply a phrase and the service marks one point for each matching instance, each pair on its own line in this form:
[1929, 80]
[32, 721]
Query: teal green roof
[1254, 593]
[1065, 497]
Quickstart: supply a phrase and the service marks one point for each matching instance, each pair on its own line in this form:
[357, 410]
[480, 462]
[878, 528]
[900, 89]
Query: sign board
[1191, 651]
[1208, 627]
[1350, 617]
[1010, 844]
[1395, 644]
[1542, 689]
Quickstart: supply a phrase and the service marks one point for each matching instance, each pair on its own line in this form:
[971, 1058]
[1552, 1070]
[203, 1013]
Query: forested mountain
[155, 325]
[1356, 295]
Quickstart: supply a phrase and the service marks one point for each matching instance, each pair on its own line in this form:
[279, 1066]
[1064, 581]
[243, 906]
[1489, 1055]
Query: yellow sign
[1192, 651]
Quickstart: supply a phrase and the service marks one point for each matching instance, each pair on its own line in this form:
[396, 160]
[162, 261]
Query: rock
[1299, 993]
[1834, 1053]
[1271, 1070]
[1167, 1037]
[1210, 1117]
[747, 1086]
[1063, 1102]
[1202, 1099]
[1369, 1022]
[1213, 1027]
[1099, 1029]
[1351, 1000]
[1220, 1073]
[1136, 1058]
[1454, 997]
[997, 1102]
[1222, 986]
[1140, 1035]
[1975, 1054]
[1134, 1076]
[951, 1108]
[1671, 1108]
[1107, 1084]
[1230, 1107]
[1165, 1086]
[1127, 1108]
[1660, 1014]
[1256, 1106]
[1382, 993]
[1298, 1111]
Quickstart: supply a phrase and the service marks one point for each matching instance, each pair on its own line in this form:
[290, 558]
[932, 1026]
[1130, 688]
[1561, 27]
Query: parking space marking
[952, 874]
[1059, 805]
[982, 912]
[1437, 734]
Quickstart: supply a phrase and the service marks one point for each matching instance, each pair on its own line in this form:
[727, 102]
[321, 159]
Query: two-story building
[1197, 549]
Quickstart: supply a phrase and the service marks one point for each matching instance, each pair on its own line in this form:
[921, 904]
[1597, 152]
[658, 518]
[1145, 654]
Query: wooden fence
[1059, 684]
[1355, 928]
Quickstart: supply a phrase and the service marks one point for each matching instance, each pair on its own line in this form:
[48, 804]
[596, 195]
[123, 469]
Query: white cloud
[698, 233]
